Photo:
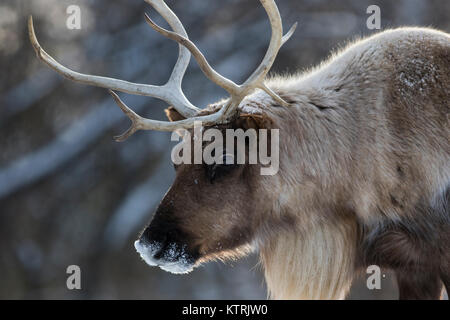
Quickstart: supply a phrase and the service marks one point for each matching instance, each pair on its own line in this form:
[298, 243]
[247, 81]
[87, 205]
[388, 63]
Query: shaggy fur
[364, 174]
[366, 166]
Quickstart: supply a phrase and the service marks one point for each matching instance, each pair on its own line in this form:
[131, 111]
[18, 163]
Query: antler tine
[227, 84]
[170, 92]
[184, 56]
[289, 34]
[256, 80]
[140, 123]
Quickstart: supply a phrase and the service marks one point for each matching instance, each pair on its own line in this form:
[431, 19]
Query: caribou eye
[217, 170]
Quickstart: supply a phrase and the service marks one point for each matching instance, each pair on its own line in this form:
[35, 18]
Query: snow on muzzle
[170, 256]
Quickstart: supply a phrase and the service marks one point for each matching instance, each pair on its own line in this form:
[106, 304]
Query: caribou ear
[173, 115]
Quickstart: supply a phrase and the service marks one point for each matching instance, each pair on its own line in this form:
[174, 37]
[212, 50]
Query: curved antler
[140, 123]
[256, 80]
[172, 92]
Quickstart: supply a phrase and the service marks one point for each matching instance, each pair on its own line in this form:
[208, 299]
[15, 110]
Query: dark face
[211, 211]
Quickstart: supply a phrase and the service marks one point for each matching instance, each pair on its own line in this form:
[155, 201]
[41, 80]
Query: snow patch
[174, 259]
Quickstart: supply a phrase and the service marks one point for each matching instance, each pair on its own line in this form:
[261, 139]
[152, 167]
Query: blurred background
[70, 195]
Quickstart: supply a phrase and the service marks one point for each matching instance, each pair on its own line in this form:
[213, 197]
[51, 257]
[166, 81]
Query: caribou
[364, 170]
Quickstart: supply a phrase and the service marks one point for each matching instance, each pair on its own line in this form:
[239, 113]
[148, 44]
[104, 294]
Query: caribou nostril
[160, 252]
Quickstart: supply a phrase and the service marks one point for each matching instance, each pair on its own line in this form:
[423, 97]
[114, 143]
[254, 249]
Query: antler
[256, 80]
[172, 92]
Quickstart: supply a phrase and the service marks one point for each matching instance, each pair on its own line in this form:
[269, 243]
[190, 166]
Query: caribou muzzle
[165, 248]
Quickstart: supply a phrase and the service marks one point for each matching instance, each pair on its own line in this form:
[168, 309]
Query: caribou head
[212, 210]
